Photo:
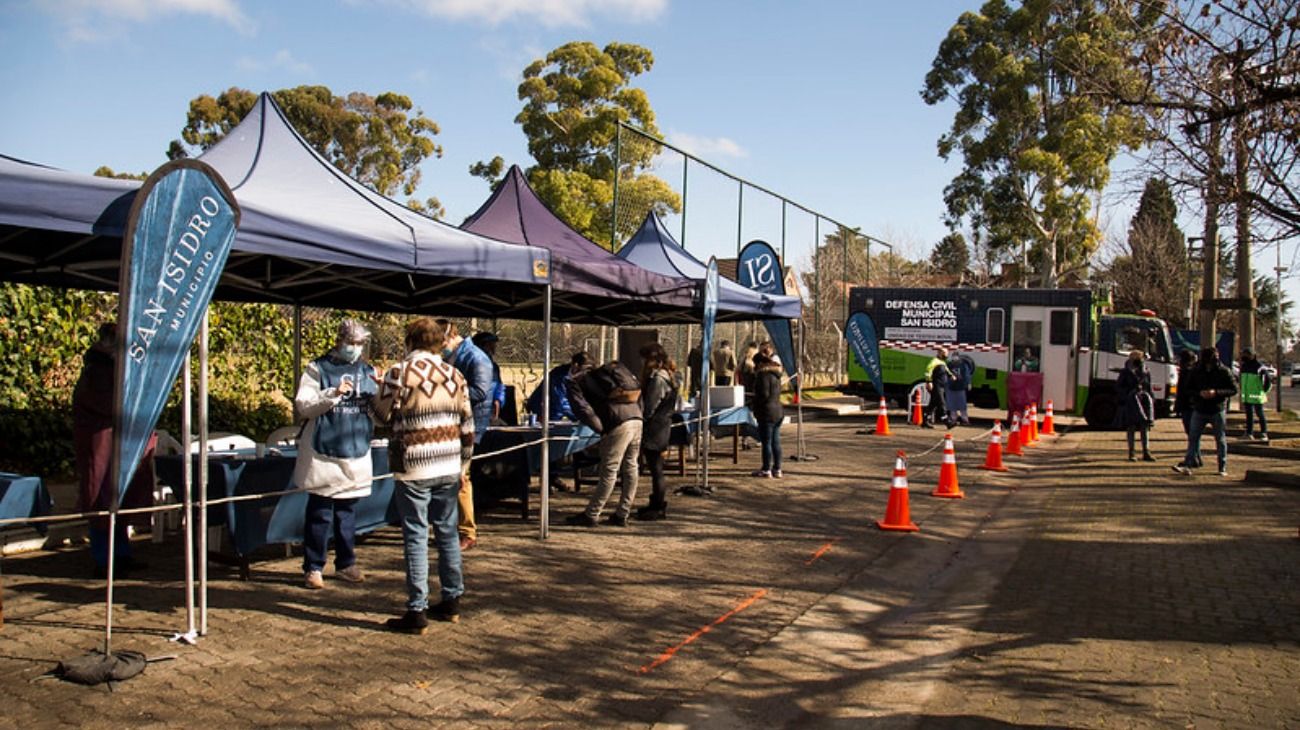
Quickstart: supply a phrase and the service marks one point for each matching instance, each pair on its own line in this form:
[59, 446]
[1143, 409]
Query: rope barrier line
[70, 517]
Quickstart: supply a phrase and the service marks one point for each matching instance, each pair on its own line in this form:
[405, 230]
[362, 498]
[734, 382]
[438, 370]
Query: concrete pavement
[1083, 591]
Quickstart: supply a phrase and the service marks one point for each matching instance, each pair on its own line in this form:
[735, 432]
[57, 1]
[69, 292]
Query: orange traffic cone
[1027, 429]
[917, 414]
[1013, 439]
[898, 516]
[1033, 423]
[948, 472]
[882, 419]
[1048, 425]
[993, 460]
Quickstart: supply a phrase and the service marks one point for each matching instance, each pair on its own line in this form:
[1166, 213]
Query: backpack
[620, 385]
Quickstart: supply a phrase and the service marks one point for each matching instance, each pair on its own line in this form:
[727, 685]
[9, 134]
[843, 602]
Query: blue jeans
[324, 513]
[1254, 410]
[419, 504]
[99, 543]
[1199, 421]
[769, 436]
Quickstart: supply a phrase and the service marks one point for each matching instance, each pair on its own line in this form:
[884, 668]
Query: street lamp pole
[1278, 270]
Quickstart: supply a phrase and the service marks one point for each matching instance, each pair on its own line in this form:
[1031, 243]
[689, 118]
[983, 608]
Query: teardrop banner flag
[178, 236]
[759, 269]
[860, 332]
[710, 317]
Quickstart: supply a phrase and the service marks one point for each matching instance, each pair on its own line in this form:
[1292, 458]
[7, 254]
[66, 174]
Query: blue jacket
[558, 379]
[476, 366]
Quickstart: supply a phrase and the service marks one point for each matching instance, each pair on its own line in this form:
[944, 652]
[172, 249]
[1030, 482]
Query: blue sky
[818, 101]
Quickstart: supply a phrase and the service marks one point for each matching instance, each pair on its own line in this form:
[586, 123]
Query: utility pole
[1241, 160]
[1278, 270]
[1210, 277]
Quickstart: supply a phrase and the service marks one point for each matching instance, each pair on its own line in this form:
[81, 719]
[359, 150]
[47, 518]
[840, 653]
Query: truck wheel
[1100, 411]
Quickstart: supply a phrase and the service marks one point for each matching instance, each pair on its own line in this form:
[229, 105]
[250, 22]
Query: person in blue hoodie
[477, 368]
[558, 380]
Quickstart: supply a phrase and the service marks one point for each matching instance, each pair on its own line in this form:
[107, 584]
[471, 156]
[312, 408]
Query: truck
[1061, 332]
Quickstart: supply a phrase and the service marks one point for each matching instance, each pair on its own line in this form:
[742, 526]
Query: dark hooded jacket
[605, 397]
[767, 393]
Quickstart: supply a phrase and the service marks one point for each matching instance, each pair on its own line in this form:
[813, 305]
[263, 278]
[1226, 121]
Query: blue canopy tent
[310, 235]
[653, 247]
[584, 274]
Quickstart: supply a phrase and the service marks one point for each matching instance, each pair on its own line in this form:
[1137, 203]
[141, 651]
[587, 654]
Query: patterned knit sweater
[426, 402]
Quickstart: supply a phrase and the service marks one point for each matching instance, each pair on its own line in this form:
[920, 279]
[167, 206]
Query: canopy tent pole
[203, 474]
[112, 548]
[187, 488]
[543, 518]
[297, 346]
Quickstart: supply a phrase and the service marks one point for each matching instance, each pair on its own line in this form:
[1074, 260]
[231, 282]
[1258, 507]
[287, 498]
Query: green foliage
[574, 99]
[106, 171]
[374, 139]
[1035, 148]
[250, 361]
[951, 255]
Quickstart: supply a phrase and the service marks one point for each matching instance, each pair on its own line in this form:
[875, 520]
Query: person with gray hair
[334, 403]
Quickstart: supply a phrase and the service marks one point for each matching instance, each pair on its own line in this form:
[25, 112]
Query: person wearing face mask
[1137, 404]
[334, 399]
[1210, 385]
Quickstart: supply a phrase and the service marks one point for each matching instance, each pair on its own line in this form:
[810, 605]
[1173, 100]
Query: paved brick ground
[1084, 592]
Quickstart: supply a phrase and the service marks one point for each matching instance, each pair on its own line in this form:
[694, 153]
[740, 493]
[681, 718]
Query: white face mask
[350, 353]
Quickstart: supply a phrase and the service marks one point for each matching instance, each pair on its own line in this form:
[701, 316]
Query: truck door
[1048, 337]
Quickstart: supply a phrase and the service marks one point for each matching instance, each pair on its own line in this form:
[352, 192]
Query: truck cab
[1117, 336]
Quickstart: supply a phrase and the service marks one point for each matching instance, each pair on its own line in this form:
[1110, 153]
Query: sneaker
[411, 622]
[927, 425]
[1263, 439]
[776, 473]
[1148, 457]
[351, 574]
[1182, 469]
[315, 580]
[447, 610]
[616, 520]
[1223, 471]
[581, 519]
[1132, 457]
[650, 514]
[468, 543]
[761, 473]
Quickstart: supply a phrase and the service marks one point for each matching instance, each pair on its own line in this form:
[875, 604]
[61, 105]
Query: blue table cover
[273, 519]
[24, 496]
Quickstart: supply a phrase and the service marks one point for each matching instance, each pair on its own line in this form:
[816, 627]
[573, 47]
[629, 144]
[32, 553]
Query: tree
[375, 139]
[106, 171]
[951, 255]
[1152, 271]
[574, 99]
[1034, 148]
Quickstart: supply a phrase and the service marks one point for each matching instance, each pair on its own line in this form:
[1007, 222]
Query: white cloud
[707, 147]
[550, 13]
[97, 19]
[282, 60]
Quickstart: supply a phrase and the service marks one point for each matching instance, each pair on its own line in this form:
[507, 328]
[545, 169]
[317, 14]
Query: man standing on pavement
[476, 367]
[425, 400]
[1255, 384]
[937, 376]
[1211, 385]
[724, 364]
[608, 400]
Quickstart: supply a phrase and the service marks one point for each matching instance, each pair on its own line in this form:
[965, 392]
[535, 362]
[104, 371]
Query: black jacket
[767, 394]
[1137, 406]
[1217, 378]
[657, 404]
[605, 397]
[1183, 399]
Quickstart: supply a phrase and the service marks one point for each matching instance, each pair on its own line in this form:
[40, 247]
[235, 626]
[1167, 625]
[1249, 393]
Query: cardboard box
[726, 396]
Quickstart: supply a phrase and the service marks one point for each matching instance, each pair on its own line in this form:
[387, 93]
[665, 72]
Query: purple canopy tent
[590, 284]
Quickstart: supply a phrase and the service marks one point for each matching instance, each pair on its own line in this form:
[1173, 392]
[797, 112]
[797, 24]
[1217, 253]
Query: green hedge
[44, 333]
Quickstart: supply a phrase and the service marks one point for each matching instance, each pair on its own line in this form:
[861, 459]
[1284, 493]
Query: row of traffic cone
[898, 511]
[917, 416]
